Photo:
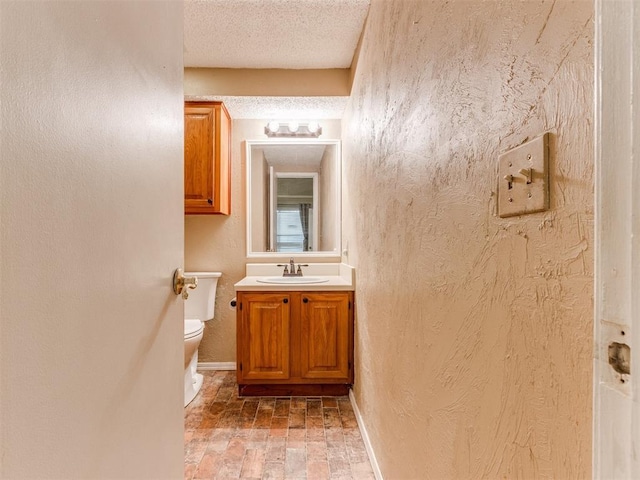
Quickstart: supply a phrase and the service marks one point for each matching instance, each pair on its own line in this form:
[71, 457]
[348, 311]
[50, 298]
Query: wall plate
[612, 331]
[523, 181]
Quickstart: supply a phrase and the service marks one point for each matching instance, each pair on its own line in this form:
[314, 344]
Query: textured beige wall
[218, 243]
[474, 333]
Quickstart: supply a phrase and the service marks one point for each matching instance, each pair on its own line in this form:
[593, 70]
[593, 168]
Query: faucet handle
[300, 265]
[286, 268]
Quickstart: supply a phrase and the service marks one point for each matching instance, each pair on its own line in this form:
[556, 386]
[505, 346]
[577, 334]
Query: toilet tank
[202, 300]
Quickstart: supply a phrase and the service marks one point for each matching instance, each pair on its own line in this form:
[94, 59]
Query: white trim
[616, 406]
[365, 438]
[216, 365]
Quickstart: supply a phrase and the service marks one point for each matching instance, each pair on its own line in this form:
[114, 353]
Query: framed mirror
[293, 197]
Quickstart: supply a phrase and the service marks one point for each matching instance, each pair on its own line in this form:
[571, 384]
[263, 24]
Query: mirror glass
[293, 197]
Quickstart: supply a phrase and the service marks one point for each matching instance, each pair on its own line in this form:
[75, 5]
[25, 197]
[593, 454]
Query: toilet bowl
[198, 308]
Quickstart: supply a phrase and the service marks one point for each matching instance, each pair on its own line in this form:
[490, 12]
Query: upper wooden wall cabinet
[207, 158]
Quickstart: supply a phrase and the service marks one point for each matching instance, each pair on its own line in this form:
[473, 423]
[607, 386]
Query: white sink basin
[292, 280]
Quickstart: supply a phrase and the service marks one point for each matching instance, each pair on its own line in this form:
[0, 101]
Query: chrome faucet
[290, 269]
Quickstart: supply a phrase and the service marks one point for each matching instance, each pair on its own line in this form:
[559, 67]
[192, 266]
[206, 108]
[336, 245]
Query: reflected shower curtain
[304, 220]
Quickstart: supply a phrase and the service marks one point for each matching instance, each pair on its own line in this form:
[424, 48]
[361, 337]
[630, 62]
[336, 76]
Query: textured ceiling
[272, 33]
[288, 34]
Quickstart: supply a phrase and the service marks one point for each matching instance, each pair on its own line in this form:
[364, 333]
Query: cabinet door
[326, 335]
[263, 336]
[207, 158]
[199, 129]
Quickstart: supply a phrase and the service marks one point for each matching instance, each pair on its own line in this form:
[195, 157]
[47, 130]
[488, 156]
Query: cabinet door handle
[305, 300]
[286, 300]
[209, 201]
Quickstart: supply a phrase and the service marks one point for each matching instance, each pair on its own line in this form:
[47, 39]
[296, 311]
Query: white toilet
[198, 308]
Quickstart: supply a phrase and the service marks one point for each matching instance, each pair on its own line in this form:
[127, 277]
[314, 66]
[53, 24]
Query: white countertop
[334, 276]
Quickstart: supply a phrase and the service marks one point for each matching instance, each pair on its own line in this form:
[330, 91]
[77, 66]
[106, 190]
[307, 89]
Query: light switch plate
[516, 195]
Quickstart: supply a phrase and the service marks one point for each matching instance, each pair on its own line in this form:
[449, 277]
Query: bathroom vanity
[295, 338]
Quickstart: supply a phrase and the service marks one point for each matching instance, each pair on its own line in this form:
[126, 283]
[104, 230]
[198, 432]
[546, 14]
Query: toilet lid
[192, 327]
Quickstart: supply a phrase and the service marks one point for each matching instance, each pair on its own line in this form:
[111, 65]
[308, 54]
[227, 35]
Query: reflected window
[294, 228]
[289, 236]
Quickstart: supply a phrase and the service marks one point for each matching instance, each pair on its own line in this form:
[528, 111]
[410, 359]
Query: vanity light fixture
[273, 127]
[313, 127]
[293, 129]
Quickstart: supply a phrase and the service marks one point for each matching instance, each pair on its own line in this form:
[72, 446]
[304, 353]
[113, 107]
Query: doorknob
[181, 284]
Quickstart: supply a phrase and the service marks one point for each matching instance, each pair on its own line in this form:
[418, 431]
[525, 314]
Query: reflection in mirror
[293, 214]
[293, 197]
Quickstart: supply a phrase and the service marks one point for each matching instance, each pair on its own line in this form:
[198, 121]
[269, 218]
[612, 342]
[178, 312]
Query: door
[263, 336]
[617, 283]
[325, 336]
[91, 212]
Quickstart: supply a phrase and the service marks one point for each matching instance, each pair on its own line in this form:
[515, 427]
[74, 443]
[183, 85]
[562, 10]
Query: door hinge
[349, 304]
[240, 366]
[240, 305]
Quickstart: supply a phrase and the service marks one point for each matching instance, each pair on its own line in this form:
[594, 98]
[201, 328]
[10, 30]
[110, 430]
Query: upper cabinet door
[207, 158]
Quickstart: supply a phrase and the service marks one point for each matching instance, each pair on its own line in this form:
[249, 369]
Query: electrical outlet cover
[518, 194]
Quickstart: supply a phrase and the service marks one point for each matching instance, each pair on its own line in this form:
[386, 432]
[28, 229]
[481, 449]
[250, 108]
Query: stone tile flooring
[227, 436]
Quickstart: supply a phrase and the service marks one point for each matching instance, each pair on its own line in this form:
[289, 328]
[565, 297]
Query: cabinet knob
[286, 300]
[305, 300]
[209, 201]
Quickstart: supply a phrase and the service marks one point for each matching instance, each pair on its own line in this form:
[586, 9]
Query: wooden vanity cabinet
[295, 343]
[264, 325]
[207, 158]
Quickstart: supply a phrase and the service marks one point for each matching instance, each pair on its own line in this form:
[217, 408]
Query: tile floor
[227, 436]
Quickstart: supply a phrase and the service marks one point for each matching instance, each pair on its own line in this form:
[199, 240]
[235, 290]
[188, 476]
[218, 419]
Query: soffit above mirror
[271, 94]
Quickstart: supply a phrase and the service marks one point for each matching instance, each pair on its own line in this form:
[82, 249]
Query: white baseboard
[365, 438]
[216, 365]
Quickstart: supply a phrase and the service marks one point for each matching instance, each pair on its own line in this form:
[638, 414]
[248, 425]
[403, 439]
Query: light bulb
[273, 127]
[293, 127]
[313, 127]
